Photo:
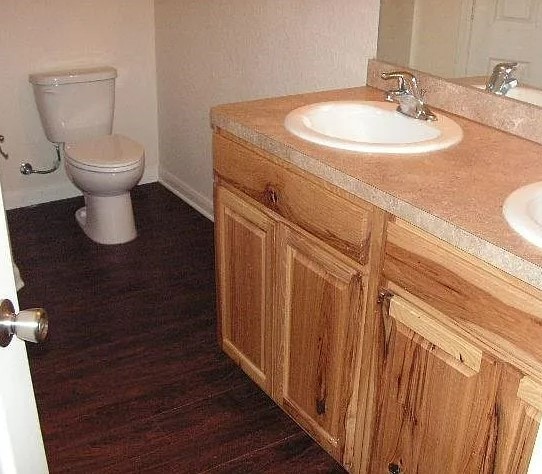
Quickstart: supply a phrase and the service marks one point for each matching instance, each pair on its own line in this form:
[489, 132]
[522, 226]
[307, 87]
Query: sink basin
[525, 94]
[523, 211]
[370, 127]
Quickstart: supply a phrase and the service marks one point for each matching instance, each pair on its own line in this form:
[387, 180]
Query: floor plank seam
[249, 454]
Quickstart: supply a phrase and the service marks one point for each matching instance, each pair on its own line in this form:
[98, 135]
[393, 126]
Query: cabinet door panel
[435, 413]
[519, 407]
[322, 298]
[244, 247]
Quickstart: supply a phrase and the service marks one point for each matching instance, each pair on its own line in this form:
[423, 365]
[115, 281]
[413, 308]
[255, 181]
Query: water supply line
[2, 152]
[27, 168]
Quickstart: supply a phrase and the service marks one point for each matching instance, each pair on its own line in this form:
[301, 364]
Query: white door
[439, 31]
[21, 444]
[506, 30]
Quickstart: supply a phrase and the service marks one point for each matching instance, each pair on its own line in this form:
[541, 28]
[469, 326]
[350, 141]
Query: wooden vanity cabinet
[291, 265]
[454, 391]
[443, 373]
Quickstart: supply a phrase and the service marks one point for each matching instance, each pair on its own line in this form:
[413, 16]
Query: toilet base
[107, 219]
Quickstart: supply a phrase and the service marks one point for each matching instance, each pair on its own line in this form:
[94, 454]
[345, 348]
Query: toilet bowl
[105, 169]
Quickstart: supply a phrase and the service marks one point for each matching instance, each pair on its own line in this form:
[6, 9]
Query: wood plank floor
[131, 378]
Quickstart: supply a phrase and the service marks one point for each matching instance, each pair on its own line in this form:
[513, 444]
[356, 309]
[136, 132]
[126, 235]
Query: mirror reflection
[465, 39]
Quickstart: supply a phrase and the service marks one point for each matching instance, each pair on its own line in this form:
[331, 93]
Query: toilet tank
[75, 104]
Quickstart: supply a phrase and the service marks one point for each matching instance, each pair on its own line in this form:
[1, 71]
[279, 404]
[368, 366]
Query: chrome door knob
[29, 325]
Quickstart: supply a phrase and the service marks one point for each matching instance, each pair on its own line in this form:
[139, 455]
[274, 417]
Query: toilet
[76, 110]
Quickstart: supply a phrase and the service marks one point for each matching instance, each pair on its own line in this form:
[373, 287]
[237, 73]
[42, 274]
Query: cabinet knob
[272, 195]
[384, 298]
[394, 468]
[321, 406]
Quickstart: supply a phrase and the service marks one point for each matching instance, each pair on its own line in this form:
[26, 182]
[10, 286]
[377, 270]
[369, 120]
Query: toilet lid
[108, 151]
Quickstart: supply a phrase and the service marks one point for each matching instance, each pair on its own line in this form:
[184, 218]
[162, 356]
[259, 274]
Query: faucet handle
[403, 78]
[506, 67]
[501, 79]
[408, 84]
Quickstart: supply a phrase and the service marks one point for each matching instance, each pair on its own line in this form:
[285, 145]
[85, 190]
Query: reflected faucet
[408, 95]
[501, 79]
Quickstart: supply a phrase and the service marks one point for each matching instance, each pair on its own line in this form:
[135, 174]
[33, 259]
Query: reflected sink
[523, 211]
[525, 94]
[371, 127]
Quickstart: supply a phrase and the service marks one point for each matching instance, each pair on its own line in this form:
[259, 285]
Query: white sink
[370, 127]
[525, 94]
[523, 211]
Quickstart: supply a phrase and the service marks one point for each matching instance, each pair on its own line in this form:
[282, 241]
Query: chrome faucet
[501, 79]
[408, 95]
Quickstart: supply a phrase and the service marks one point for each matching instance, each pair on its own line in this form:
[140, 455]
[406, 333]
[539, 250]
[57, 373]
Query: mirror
[463, 40]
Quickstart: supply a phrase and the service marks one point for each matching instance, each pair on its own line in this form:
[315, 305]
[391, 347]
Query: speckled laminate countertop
[454, 194]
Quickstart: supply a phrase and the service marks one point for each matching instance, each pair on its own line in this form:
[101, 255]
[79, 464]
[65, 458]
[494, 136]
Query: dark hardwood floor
[131, 379]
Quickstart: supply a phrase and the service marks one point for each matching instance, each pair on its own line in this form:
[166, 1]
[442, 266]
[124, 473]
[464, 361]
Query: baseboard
[193, 198]
[28, 196]
[31, 196]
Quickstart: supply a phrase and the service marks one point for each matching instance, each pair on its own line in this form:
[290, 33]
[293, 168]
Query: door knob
[29, 325]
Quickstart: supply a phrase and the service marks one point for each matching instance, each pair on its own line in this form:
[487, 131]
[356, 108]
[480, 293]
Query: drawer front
[493, 306]
[310, 205]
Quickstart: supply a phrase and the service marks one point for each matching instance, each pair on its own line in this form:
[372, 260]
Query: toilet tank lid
[71, 76]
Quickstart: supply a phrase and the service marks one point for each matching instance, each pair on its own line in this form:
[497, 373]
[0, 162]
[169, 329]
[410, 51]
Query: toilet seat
[108, 153]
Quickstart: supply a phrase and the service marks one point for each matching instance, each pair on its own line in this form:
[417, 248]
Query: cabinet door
[244, 253]
[444, 405]
[436, 397]
[519, 406]
[320, 309]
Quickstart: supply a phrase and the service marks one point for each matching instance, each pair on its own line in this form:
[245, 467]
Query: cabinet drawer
[493, 306]
[308, 203]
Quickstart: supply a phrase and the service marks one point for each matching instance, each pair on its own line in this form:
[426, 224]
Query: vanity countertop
[454, 194]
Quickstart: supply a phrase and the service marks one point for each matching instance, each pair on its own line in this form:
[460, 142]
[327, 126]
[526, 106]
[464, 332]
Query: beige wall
[44, 35]
[428, 35]
[206, 53]
[395, 31]
[436, 36]
[211, 52]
